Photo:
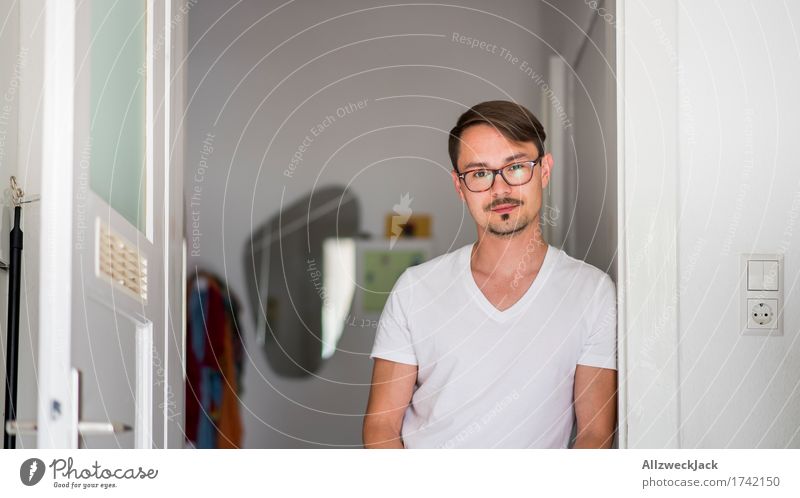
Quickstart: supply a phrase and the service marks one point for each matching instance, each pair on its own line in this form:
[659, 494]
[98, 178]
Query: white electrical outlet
[763, 314]
[761, 310]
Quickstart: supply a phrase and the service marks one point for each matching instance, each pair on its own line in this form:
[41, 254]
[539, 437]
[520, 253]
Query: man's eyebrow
[518, 155]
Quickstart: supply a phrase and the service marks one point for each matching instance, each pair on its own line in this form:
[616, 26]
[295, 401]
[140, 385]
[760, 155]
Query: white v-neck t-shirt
[489, 378]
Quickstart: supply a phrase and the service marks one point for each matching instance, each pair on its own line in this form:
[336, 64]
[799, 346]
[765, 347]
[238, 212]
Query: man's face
[482, 146]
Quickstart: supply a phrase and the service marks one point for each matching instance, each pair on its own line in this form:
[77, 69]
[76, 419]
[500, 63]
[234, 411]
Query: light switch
[755, 275]
[770, 275]
[761, 302]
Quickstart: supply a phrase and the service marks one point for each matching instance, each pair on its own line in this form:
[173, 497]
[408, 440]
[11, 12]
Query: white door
[107, 357]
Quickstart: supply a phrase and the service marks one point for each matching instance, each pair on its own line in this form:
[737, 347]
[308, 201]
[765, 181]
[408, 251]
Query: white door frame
[174, 366]
[55, 415]
[647, 143]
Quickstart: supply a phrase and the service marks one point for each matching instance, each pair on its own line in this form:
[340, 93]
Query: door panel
[107, 215]
[106, 360]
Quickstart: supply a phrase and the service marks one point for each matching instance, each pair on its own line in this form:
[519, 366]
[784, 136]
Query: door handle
[84, 427]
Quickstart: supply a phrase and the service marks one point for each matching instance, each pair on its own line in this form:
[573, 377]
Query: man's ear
[457, 184]
[547, 167]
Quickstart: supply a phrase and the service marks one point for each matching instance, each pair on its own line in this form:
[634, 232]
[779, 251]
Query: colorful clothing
[215, 353]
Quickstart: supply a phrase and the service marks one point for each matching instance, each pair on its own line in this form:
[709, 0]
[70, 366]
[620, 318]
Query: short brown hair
[514, 121]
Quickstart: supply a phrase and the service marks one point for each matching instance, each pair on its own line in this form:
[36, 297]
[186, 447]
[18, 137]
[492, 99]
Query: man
[504, 342]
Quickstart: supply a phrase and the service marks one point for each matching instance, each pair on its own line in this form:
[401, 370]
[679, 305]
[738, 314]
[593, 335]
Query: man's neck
[521, 254]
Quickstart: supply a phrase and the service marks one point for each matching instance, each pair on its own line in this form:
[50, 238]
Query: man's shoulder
[578, 273]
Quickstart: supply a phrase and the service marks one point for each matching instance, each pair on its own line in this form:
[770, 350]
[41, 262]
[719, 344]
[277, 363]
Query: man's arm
[392, 387]
[595, 406]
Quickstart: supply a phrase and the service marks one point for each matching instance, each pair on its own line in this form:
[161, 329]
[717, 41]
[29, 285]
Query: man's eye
[516, 167]
[480, 173]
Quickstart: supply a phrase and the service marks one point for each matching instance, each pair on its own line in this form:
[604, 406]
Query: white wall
[710, 172]
[20, 79]
[398, 146]
[9, 38]
[739, 191]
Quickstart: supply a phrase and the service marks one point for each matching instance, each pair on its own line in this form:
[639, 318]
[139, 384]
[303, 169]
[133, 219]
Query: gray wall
[259, 82]
[593, 160]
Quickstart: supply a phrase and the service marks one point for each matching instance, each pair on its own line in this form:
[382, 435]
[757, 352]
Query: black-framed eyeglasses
[515, 174]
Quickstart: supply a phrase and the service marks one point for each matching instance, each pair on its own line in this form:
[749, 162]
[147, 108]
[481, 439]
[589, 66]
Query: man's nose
[500, 187]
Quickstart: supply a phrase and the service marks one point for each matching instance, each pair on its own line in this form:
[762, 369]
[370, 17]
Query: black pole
[12, 338]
